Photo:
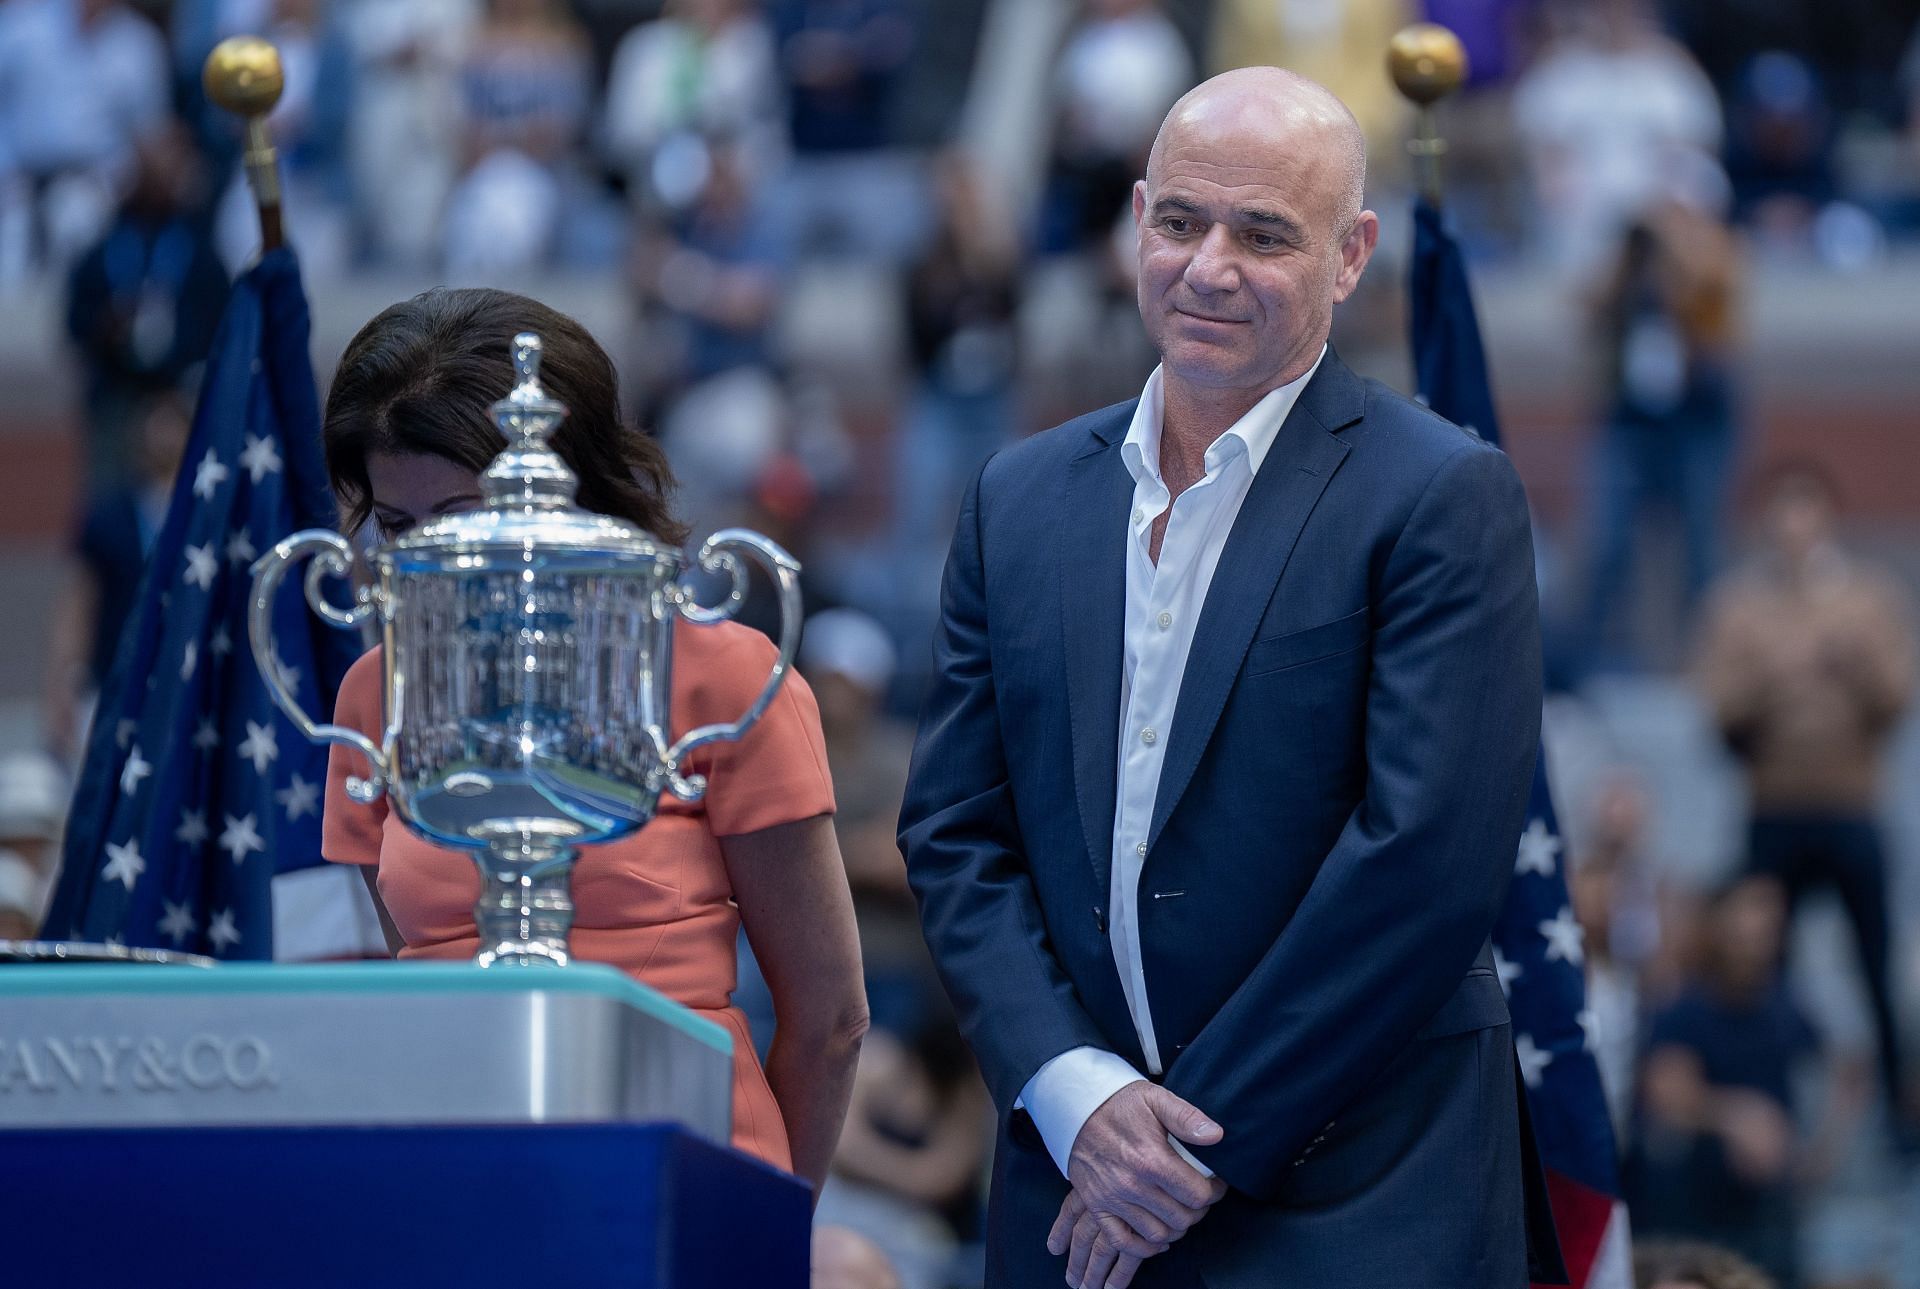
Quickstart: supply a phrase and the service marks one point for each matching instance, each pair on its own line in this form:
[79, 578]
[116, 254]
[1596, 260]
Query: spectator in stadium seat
[1603, 109]
[1718, 1136]
[144, 302]
[118, 525]
[703, 69]
[1669, 328]
[81, 83]
[1807, 665]
[524, 94]
[1681, 1264]
[1122, 66]
[850, 191]
[403, 136]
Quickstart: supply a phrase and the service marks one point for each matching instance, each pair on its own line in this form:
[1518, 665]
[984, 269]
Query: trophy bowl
[527, 669]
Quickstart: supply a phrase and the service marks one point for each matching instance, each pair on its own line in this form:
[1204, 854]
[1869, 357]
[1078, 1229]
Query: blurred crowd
[844, 280]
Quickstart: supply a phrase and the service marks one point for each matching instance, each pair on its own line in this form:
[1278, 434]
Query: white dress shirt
[1163, 606]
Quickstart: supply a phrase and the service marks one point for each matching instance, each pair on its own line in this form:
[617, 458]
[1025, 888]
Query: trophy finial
[529, 471]
[526, 362]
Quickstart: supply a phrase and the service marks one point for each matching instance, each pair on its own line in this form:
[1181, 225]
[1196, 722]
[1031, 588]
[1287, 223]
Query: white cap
[33, 796]
[849, 643]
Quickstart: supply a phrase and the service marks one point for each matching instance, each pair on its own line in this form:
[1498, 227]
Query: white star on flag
[1590, 1027]
[1538, 850]
[300, 798]
[1507, 971]
[206, 736]
[261, 458]
[124, 731]
[124, 863]
[136, 769]
[178, 924]
[1565, 940]
[193, 828]
[189, 660]
[223, 932]
[209, 475]
[1533, 1061]
[240, 548]
[260, 746]
[241, 838]
[222, 643]
[201, 568]
[289, 676]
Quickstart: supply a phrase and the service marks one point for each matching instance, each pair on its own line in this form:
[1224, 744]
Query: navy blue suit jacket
[1346, 772]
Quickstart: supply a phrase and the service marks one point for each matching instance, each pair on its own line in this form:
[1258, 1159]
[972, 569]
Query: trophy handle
[332, 556]
[717, 556]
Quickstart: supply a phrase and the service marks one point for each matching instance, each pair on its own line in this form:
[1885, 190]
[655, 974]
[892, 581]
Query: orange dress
[657, 904]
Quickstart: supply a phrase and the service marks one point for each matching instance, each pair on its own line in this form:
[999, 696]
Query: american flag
[1537, 944]
[195, 791]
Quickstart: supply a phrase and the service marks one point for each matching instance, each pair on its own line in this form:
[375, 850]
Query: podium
[373, 1124]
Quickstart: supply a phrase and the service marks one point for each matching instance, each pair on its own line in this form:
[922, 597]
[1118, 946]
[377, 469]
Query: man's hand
[1094, 1242]
[1132, 1193]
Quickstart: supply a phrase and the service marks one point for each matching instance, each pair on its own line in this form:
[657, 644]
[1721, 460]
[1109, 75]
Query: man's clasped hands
[1133, 1195]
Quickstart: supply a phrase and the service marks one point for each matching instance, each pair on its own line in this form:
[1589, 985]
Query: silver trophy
[528, 669]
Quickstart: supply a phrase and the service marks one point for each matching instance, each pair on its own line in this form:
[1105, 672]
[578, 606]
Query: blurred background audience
[845, 249]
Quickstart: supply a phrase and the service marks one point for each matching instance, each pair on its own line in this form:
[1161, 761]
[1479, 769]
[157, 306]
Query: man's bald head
[1250, 230]
[1286, 110]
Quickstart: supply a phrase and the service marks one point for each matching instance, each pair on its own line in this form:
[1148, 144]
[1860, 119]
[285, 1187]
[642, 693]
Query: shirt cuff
[1063, 1094]
[1180, 1149]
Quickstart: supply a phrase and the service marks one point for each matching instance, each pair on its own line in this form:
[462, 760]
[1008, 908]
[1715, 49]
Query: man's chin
[1205, 366]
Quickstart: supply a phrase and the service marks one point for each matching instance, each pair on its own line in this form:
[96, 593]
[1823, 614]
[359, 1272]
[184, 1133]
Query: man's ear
[1355, 251]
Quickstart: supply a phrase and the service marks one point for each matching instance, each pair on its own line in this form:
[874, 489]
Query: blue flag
[1537, 943]
[195, 790]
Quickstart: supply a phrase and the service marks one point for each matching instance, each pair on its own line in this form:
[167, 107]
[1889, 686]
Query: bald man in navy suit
[1213, 804]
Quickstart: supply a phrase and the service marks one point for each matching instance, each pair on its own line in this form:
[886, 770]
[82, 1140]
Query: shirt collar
[1254, 433]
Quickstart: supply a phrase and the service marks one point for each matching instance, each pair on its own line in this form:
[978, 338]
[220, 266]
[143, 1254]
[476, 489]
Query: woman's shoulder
[364, 675]
[360, 700]
[720, 669]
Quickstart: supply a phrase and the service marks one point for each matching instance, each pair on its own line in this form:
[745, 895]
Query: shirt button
[1148, 737]
[1138, 514]
[1140, 849]
[1165, 620]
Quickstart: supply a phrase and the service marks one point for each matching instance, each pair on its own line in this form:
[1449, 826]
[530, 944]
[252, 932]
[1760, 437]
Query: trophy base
[526, 900]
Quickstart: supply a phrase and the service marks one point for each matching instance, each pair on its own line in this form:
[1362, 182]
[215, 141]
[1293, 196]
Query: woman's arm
[792, 891]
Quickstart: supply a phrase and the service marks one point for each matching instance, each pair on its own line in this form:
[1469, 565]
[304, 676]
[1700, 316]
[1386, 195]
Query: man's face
[1242, 256]
[1799, 519]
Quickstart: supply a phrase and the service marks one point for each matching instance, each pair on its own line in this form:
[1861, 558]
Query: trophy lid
[530, 492]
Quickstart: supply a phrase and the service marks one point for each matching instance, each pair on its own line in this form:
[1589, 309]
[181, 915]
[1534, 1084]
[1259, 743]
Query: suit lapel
[1093, 602]
[1296, 471]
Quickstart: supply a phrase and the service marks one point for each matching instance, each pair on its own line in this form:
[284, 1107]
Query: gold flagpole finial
[243, 75]
[1427, 62]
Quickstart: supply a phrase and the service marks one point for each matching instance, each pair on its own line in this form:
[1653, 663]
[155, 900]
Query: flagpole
[244, 76]
[1428, 62]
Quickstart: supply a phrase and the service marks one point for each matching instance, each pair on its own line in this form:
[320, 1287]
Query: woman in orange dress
[407, 433]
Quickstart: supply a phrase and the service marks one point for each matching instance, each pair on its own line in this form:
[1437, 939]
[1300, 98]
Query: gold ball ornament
[1428, 62]
[243, 75]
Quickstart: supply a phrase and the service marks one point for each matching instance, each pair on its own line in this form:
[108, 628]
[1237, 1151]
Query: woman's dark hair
[420, 378]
